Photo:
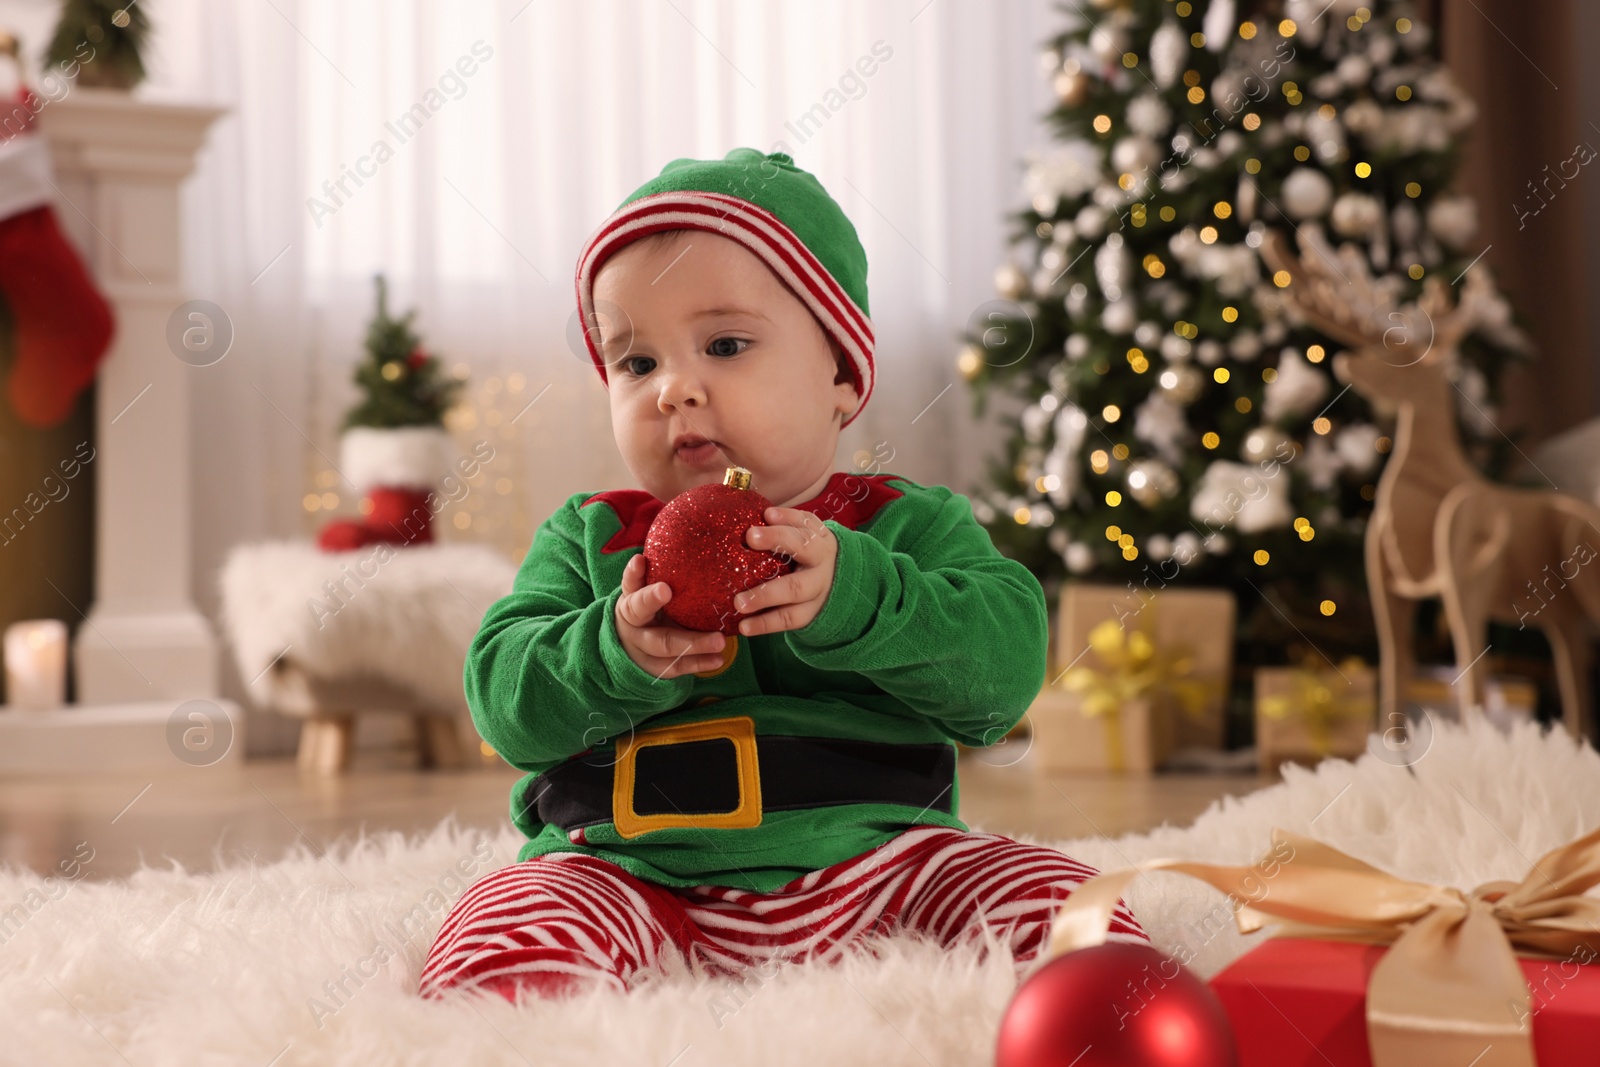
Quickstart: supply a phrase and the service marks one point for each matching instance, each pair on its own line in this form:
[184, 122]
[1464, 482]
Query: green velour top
[929, 634]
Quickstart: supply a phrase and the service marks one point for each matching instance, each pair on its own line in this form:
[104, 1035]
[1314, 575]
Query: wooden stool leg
[325, 746]
[439, 743]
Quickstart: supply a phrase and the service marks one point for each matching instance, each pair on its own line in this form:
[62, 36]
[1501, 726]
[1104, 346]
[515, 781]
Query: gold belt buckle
[740, 729]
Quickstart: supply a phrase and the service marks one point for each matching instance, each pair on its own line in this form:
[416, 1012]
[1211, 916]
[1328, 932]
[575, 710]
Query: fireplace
[145, 660]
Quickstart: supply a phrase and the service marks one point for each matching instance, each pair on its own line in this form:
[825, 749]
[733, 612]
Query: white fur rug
[237, 966]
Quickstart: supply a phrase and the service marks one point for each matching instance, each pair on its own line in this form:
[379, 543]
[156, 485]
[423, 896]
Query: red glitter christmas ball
[1115, 1005]
[696, 544]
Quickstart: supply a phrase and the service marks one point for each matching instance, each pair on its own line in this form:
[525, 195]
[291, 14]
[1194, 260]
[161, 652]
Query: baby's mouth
[703, 453]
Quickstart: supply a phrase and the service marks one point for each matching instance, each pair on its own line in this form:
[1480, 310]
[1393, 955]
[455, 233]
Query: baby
[787, 791]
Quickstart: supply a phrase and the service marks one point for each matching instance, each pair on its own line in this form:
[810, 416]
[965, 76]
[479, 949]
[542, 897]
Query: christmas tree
[402, 385]
[1157, 377]
[104, 38]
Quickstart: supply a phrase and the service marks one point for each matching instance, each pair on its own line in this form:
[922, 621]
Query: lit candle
[36, 663]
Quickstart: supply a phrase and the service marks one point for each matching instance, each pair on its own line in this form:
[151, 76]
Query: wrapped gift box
[1137, 739]
[1196, 624]
[1506, 700]
[1295, 1002]
[1291, 702]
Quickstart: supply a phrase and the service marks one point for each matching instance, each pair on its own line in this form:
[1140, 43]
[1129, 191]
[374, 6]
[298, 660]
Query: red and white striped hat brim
[759, 230]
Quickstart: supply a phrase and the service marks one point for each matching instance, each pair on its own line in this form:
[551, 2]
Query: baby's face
[701, 338]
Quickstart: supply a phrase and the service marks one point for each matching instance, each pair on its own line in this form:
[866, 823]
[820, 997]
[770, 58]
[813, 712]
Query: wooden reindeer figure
[1438, 527]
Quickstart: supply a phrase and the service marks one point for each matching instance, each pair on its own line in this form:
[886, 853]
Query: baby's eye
[717, 347]
[716, 351]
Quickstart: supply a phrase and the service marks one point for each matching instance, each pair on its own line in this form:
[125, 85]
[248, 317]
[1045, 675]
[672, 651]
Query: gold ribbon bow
[1134, 667]
[1449, 990]
[1312, 696]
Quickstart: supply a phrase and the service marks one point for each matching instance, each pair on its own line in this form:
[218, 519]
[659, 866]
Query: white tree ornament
[1246, 497]
[1453, 220]
[1062, 460]
[1169, 46]
[1356, 214]
[1357, 445]
[1065, 171]
[1148, 116]
[1307, 193]
[1321, 463]
[1160, 423]
[1297, 390]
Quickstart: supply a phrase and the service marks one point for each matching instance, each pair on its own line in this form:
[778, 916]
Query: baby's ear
[845, 376]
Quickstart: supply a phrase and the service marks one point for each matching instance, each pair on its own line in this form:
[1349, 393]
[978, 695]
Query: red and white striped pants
[559, 921]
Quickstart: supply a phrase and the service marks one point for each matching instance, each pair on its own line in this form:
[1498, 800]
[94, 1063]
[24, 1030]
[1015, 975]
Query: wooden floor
[203, 820]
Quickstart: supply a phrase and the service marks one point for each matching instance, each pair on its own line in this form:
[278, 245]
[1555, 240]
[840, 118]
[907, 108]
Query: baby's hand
[664, 651]
[791, 600]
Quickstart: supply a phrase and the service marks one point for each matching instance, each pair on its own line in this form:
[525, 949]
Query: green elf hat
[773, 208]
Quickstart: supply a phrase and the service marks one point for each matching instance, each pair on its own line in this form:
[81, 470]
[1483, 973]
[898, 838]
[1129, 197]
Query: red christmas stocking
[62, 324]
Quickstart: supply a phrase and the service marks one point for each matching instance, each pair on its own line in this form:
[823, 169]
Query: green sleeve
[926, 607]
[547, 677]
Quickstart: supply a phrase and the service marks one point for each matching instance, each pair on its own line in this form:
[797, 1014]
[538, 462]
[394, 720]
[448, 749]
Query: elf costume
[804, 791]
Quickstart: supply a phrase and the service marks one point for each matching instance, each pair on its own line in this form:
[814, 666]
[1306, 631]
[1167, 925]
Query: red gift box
[1295, 1002]
[1501, 975]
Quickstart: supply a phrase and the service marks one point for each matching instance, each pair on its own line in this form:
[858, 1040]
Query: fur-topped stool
[325, 636]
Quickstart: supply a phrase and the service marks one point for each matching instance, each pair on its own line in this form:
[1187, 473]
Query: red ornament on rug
[696, 544]
[1115, 1005]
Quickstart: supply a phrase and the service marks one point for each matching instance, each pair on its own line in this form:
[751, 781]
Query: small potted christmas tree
[394, 448]
[104, 40]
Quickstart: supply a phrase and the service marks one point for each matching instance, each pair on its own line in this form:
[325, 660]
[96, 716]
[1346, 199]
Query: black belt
[715, 773]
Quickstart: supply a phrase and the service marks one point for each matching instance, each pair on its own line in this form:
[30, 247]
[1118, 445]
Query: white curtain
[512, 128]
